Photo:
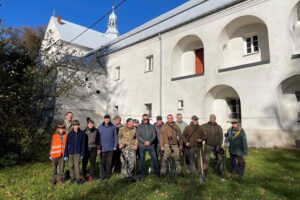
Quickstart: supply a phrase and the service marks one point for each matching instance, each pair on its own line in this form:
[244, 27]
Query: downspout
[160, 74]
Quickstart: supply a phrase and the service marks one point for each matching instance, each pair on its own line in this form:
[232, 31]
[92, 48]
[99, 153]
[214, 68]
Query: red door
[199, 65]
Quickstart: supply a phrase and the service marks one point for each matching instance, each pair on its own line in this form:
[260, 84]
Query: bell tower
[112, 28]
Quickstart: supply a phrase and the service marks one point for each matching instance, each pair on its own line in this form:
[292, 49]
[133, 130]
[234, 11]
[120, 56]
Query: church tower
[112, 29]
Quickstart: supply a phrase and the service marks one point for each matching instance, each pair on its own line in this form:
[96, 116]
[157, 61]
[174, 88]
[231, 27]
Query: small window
[251, 44]
[117, 73]
[180, 105]
[148, 107]
[149, 63]
[116, 110]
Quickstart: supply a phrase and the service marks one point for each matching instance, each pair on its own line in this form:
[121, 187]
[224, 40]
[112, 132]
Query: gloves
[81, 157]
[50, 158]
[66, 159]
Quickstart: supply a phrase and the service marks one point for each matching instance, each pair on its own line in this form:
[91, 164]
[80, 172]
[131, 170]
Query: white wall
[256, 85]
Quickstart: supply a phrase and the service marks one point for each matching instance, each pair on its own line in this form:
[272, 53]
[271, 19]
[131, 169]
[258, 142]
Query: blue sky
[131, 14]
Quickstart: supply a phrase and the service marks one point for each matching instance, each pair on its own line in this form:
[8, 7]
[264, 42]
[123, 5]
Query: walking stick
[202, 179]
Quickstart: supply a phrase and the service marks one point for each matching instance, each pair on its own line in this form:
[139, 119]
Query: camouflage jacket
[127, 137]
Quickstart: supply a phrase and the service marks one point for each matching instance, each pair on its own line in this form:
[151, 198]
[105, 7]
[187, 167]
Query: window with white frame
[117, 73]
[251, 44]
[180, 105]
[149, 63]
[148, 109]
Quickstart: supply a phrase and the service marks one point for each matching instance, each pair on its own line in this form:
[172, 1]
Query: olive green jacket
[214, 134]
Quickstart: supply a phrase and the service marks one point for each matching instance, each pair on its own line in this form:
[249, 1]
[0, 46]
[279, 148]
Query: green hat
[194, 117]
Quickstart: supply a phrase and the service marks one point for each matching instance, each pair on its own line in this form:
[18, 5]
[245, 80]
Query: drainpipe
[160, 74]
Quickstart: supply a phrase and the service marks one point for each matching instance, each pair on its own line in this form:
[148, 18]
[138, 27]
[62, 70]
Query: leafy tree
[32, 77]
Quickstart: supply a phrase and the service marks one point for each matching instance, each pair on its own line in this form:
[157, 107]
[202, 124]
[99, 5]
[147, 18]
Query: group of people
[120, 146]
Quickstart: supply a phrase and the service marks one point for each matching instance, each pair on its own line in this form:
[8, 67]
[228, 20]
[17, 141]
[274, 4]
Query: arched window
[244, 41]
[188, 57]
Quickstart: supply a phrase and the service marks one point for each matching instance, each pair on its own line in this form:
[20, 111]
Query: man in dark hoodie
[214, 141]
[91, 141]
[108, 141]
[146, 136]
[74, 151]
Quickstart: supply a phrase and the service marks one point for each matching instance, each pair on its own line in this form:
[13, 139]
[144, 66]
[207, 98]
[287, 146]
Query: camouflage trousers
[128, 158]
[167, 155]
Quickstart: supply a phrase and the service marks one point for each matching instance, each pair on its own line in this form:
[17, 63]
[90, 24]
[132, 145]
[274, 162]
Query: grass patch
[270, 174]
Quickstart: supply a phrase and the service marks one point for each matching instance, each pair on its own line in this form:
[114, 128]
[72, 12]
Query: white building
[234, 58]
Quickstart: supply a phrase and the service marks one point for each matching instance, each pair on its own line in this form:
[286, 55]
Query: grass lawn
[270, 174]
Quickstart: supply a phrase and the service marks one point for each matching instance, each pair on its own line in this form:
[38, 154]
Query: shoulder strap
[193, 133]
[173, 128]
[236, 134]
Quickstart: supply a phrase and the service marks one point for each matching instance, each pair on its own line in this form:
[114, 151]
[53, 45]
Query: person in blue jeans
[146, 136]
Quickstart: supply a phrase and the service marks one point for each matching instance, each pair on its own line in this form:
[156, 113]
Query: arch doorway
[225, 102]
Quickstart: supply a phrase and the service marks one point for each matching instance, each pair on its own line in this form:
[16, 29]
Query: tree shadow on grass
[148, 188]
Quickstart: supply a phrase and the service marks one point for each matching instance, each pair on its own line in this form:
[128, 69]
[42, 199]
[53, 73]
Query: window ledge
[296, 56]
[244, 66]
[186, 77]
[148, 71]
[250, 54]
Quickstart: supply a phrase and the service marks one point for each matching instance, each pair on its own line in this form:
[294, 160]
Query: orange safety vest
[58, 147]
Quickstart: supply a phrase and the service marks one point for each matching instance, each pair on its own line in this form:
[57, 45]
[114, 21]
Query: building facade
[234, 58]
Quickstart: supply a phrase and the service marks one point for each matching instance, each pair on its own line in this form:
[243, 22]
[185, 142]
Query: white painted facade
[265, 82]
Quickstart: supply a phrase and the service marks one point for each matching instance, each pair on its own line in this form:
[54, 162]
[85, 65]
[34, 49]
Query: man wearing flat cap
[192, 137]
[238, 148]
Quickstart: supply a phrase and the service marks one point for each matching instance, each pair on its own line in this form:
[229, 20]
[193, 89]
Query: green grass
[270, 174]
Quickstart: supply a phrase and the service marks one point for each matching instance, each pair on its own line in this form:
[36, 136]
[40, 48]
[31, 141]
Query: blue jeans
[152, 153]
